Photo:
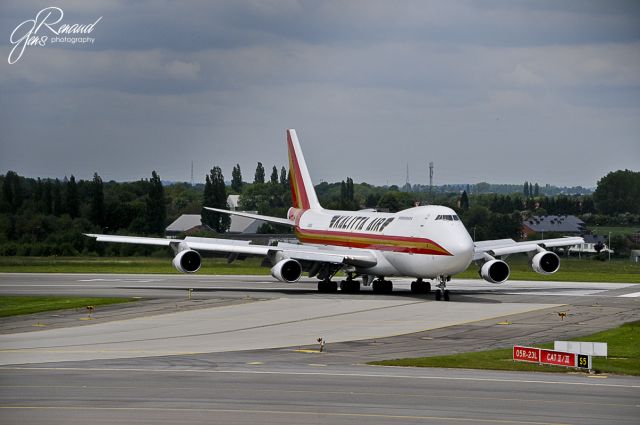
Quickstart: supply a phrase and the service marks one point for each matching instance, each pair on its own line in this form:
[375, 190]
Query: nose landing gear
[442, 293]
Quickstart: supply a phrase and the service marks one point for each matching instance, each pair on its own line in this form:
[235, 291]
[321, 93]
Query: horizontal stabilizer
[254, 216]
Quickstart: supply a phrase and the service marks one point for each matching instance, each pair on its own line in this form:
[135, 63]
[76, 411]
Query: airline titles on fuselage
[354, 222]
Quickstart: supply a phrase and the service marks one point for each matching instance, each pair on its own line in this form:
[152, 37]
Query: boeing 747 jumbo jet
[424, 242]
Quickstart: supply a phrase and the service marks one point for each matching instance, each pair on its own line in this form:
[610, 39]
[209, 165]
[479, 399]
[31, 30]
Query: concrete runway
[211, 360]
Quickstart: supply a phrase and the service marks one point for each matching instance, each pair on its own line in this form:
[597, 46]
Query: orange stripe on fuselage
[379, 242]
[298, 191]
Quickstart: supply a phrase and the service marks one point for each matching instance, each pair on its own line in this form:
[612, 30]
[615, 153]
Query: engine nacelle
[545, 262]
[495, 271]
[187, 261]
[287, 270]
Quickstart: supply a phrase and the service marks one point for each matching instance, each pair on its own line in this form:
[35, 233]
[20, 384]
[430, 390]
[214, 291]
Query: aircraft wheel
[376, 286]
[418, 287]
[438, 295]
[445, 296]
[350, 286]
[387, 287]
[327, 286]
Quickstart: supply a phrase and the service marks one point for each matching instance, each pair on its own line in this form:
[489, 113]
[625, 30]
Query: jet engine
[287, 270]
[545, 262]
[495, 271]
[187, 261]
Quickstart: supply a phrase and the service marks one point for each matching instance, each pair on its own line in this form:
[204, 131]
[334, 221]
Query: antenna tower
[431, 176]
[407, 181]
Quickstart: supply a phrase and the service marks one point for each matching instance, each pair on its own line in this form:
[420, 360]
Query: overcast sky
[497, 91]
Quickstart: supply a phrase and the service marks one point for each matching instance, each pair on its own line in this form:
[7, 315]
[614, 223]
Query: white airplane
[424, 242]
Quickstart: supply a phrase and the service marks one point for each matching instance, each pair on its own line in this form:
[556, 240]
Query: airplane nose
[462, 247]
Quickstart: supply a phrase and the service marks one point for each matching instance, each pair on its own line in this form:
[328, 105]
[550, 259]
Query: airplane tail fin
[303, 194]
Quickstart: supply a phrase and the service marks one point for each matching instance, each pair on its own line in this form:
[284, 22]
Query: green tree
[12, 191]
[156, 208]
[525, 190]
[347, 196]
[215, 196]
[536, 190]
[464, 201]
[274, 175]
[236, 179]
[58, 207]
[395, 201]
[618, 192]
[259, 176]
[47, 197]
[476, 220]
[72, 204]
[96, 212]
[284, 181]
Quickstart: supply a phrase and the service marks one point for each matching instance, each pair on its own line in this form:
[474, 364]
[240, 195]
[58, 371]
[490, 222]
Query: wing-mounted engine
[287, 270]
[545, 262]
[495, 271]
[187, 261]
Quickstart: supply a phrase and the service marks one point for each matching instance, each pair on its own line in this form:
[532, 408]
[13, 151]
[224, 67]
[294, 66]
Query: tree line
[46, 216]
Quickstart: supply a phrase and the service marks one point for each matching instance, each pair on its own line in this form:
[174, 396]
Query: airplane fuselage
[425, 241]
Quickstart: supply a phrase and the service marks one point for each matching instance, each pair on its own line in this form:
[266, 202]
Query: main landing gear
[420, 287]
[350, 285]
[443, 293]
[381, 286]
[327, 286]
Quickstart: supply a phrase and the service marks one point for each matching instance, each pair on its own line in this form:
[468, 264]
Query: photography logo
[47, 28]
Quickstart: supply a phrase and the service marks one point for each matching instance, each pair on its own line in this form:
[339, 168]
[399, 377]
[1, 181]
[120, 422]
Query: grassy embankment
[624, 356]
[15, 305]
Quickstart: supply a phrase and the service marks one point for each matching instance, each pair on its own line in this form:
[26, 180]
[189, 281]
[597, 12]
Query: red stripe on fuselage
[373, 241]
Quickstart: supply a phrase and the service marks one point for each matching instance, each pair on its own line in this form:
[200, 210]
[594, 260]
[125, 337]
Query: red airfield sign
[542, 356]
[526, 354]
[558, 358]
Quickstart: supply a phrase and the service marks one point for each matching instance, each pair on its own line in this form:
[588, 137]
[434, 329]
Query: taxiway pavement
[166, 359]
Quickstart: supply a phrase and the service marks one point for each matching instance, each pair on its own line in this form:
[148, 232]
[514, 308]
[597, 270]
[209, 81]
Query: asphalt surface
[296, 384]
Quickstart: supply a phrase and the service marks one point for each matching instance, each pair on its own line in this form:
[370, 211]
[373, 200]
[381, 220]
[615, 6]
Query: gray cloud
[495, 91]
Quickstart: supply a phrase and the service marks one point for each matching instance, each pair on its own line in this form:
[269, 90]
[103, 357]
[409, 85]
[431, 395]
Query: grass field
[615, 230]
[624, 356]
[15, 305]
[571, 269]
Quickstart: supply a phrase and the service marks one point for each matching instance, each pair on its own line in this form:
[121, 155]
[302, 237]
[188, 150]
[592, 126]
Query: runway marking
[631, 295]
[356, 375]
[333, 392]
[562, 293]
[282, 412]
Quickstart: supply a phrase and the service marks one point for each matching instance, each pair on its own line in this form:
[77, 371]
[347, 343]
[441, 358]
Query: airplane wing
[501, 247]
[309, 253]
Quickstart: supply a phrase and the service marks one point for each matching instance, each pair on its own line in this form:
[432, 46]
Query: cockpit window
[448, 217]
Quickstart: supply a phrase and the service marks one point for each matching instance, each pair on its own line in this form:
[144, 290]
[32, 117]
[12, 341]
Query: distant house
[184, 223]
[589, 245]
[193, 222]
[565, 224]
